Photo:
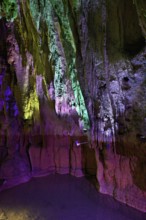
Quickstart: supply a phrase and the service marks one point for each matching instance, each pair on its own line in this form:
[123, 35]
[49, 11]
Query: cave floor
[62, 197]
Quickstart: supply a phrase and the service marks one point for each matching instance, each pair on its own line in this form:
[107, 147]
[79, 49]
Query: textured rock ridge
[73, 93]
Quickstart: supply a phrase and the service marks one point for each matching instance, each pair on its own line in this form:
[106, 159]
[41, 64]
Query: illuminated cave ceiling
[75, 68]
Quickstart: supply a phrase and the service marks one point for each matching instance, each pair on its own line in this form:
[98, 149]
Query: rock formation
[73, 93]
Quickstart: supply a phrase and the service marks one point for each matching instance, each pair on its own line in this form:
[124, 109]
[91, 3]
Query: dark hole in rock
[125, 79]
[125, 85]
[102, 85]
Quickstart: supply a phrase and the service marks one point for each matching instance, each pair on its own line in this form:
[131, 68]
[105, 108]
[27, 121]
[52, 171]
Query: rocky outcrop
[73, 93]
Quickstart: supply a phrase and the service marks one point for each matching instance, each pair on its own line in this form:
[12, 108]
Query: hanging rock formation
[73, 93]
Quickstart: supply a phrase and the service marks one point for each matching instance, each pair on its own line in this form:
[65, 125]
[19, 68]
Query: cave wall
[73, 93]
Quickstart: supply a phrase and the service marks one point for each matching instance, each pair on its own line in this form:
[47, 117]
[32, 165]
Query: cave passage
[72, 101]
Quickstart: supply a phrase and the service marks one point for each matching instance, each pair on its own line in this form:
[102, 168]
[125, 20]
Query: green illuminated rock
[9, 9]
[62, 53]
